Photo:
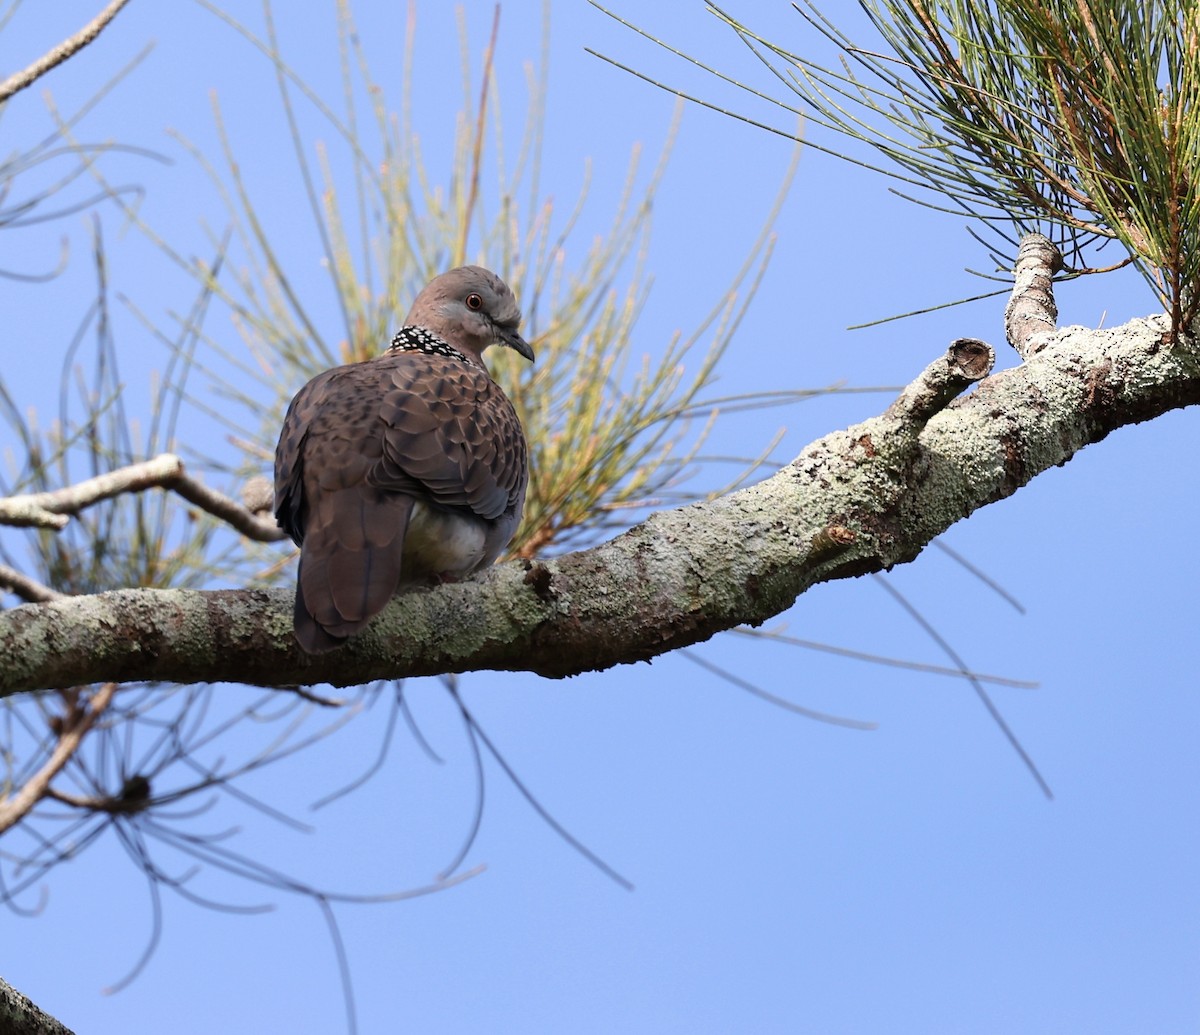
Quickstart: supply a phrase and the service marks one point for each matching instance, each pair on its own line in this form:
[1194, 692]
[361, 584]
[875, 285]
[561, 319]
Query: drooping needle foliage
[1079, 119]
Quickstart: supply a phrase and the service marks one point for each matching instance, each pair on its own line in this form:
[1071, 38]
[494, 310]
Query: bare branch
[51, 509]
[27, 512]
[75, 725]
[57, 55]
[234, 514]
[25, 587]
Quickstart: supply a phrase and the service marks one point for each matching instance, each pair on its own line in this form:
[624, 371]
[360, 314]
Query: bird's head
[470, 308]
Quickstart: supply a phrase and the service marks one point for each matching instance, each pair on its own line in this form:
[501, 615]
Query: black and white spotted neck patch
[419, 339]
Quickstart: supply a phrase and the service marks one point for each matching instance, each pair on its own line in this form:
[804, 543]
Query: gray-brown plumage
[407, 468]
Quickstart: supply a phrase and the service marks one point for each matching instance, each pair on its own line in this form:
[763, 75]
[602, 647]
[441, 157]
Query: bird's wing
[351, 533]
[290, 507]
[450, 436]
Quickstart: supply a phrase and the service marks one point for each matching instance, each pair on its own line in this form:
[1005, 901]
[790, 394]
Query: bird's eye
[474, 302]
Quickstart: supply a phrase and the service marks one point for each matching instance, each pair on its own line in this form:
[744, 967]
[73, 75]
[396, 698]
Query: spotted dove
[407, 468]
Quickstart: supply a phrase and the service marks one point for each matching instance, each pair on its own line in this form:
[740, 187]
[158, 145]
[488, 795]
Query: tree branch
[57, 55]
[20, 1016]
[856, 501]
[1032, 314]
[52, 509]
[80, 718]
[25, 587]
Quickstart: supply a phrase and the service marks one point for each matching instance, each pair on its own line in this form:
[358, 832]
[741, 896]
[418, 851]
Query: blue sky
[789, 876]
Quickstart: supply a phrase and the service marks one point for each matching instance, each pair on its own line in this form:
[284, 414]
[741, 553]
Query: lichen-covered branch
[858, 500]
[20, 1016]
[965, 362]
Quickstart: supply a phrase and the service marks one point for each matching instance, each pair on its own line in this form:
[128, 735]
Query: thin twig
[477, 157]
[219, 505]
[57, 55]
[26, 588]
[76, 724]
[166, 471]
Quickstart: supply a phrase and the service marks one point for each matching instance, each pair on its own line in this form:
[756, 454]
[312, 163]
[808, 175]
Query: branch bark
[20, 1016]
[856, 501]
[1032, 314]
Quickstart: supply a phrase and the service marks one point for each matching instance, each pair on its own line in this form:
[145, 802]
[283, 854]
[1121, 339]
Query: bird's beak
[515, 342]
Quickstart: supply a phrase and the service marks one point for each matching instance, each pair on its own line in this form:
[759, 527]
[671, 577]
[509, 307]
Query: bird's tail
[350, 563]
